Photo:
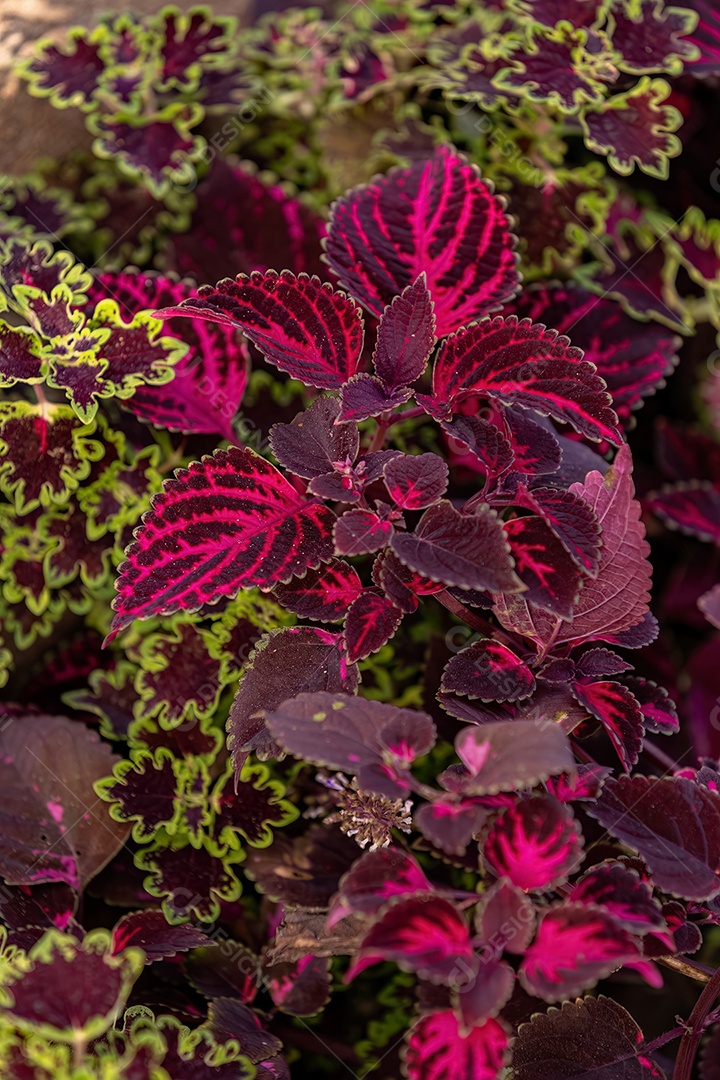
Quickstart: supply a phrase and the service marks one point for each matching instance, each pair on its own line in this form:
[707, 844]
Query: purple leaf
[352, 734]
[692, 508]
[459, 549]
[371, 622]
[406, 336]
[294, 660]
[659, 711]
[302, 988]
[300, 325]
[572, 521]
[673, 823]
[416, 482]
[437, 217]
[425, 935]
[706, 36]
[537, 843]
[483, 440]
[365, 395]
[524, 364]
[505, 919]
[651, 37]
[620, 890]
[438, 1047]
[537, 451]
[584, 785]
[551, 582]
[450, 825]
[399, 583]
[574, 948]
[227, 522]
[311, 444]
[618, 712]
[595, 663]
[360, 532]
[594, 1037]
[489, 671]
[150, 931]
[636, 127]
[510, 755]
[373, 880]
[323, 595]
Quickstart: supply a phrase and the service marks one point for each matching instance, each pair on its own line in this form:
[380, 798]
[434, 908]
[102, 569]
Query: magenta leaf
[374, 879]
[301, 988]
[521, 363]
[510, 755]
[437, 217]
[706, 36]
[438, 1047]
[353, 735]
[673, 823]
[294, 660]
[594, 1037]
[360, 532]
[618, 712]
[459, 549]
[371, 621]
[406, 336]
[482, 439]
[692, 508]
[450, 825]
[227, 522]
[659, 711]
[489, 671]
[551, 583]
[426, 935]
[322, 595]
[584, 785]
[536, 844]
[150, 931]
[416, 482]
[300, 325]
[571, 519]
[311, 444]
[401, 584]
[620, 890]
[575, 946]
[633, 364]
[365, 395]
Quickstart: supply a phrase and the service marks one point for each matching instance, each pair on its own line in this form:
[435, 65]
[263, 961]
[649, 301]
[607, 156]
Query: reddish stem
[477, 622]
[694, 1029]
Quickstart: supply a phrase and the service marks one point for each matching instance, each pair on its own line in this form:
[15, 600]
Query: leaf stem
[694, 1029]
[477, 622]
[668, 1036]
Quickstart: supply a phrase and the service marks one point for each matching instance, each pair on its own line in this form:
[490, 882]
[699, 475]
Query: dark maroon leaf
[406, 336]
[426, 935]
[536, 844]
[571, 519]
[595, 663]
[489, 671]
[439, 1046]
[584, 785]
[536, 449]
[450, 825]
[360, 532]
[505, 920]
[594, 1037]
[416, 482]
[436, 217]
[510, 755]
[657, 707]
[401, 584]
[541, 563]
[706, 36]
[374, 879]
[693, 508]
[293, 660]
[70, 77]
[49, 766]
[618, 712]
[652, 38]
[620, 890]
[300, 325]
[226, 522]
[302, 988]
[304, 870]
[673, 823]
[575, 946]
[365, 395]
[484, 990]
[371, 622]
[229, 1018]
[324, 595]
[484, 441]
[224, 969]
[636, 127]
[521, 363]
[459, 549]
[150, 931]
[313, 442]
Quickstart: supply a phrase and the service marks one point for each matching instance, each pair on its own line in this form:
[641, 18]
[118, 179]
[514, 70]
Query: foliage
[335, 500]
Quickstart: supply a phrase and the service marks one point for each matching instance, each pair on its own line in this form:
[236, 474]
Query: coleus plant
[353, 515]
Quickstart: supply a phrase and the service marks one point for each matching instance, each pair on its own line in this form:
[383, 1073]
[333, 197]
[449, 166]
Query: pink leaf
[323, 595]
[438, 1048]
[371, 622]
[416, 482]
[436, 216]
[489, 671]
[618, 712]
[536, 843]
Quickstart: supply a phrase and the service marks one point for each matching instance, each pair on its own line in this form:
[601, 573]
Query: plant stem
[664, 759]
[648, 1048]
[477, 622]
[691, 968]
[378, 439]
[694, 1029]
